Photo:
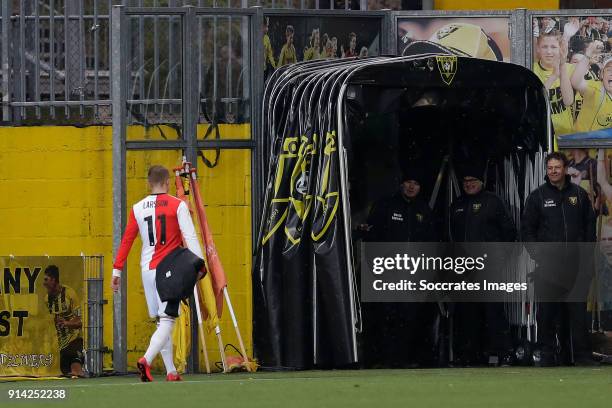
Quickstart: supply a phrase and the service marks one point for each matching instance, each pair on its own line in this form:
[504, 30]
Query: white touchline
[437, 372]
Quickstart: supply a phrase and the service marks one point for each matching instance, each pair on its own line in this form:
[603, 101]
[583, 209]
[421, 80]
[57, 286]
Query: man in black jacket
[401, 334]
[403, 217]
[558, 211]
[479, 215]
[482, 329]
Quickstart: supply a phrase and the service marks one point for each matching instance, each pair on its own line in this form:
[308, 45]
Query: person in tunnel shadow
[482, 330]
[400, 334]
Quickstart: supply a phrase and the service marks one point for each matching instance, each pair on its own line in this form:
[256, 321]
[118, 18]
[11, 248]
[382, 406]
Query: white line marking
[359, 376]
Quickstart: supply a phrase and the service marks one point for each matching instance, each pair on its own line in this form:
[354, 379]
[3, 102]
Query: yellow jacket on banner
[596, 111]
[561, 115]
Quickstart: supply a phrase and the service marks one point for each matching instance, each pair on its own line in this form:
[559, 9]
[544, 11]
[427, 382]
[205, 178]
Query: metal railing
[94, 323]
[55, 58]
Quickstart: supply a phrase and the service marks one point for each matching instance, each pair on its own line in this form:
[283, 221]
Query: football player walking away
[164, 223]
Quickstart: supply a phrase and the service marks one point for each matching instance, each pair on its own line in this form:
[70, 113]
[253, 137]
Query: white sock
[159, 338]
[167, 356]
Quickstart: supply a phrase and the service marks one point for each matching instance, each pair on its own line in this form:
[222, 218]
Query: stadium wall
[57, 189]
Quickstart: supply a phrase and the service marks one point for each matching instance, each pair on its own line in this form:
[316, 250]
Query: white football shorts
[156, 307]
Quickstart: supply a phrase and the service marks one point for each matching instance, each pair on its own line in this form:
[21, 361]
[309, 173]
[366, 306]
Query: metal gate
[94, 324]
[203, 94]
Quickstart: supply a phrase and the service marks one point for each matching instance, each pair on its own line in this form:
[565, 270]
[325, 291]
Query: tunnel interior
[407, 115]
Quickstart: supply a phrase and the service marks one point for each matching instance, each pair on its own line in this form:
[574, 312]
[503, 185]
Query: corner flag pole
[196, 296]
[235, 322]
[180, 192]
[216, 269]
[209, 246]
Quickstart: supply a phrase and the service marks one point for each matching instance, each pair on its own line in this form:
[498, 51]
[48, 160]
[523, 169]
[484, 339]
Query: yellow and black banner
[302, 313]
[41, 315]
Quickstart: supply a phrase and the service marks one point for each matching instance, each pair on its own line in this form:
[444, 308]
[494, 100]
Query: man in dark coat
[401, 334]
[403, 217]
[482, 329]
[479, 215]
[559, 212]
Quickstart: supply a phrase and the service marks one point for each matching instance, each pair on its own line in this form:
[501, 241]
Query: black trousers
[399, 334]
[561, 322]
[480, 329]
[566, 321]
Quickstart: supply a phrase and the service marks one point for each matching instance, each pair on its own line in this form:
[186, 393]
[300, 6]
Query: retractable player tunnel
[338, 135]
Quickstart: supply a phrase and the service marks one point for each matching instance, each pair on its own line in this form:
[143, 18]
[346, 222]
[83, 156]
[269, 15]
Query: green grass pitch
[469, 387]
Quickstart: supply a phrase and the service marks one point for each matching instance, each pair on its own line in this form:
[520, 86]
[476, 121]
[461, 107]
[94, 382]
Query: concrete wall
[56, 184]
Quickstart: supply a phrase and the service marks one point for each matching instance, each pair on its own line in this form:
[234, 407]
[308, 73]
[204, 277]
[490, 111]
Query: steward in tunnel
[559, 211]
[479, 215]
[482, 330]
[403, 217]
[401, 334]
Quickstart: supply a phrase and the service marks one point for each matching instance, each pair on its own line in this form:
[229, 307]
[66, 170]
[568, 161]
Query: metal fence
[55, 57]
[94, 318]
[56, 60]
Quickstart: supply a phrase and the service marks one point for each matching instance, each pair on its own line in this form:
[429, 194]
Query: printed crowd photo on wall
[481, 37]
[591, 169]
[572, 56]
[293, 39]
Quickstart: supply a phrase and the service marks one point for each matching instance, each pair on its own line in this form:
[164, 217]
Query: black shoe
[585, 360]
[507, 359]
[522, 355]
[544, 359]
[462, 362]
[602, 358]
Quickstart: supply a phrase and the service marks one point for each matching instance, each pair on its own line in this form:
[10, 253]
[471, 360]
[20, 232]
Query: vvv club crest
[447, 65]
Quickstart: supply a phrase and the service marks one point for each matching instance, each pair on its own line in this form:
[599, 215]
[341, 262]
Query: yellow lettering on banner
[299, 176]
[330, 200]
[32, 313]
[290, 150]
[301, 201]
[273, 222]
